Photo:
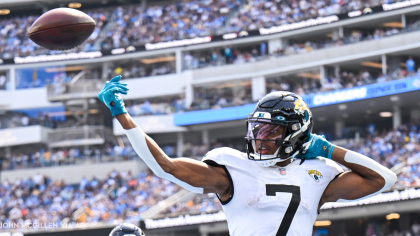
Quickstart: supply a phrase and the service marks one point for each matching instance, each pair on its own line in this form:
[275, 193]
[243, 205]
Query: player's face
[267, 132]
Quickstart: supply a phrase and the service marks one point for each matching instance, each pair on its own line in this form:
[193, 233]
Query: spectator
[24, 120]
[3, 82]
[415, 228]
[50, 201]
[411, 66]
[38, 179]
[263, 49]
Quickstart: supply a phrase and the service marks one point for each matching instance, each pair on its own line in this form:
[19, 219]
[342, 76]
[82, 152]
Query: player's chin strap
[387, 174]
[138, 141]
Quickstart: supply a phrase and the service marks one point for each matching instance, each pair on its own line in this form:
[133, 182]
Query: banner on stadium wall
[313, 100]
[183, 220]
[363, 92]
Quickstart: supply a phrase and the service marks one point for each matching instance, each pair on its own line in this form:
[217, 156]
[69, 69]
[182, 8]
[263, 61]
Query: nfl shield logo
[282, 171]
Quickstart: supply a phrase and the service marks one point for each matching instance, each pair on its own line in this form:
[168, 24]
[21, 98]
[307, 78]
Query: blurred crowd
[133, 25]
[257, 14]
[137, 25]
[394, 147]
[120, 197]
[127, 25]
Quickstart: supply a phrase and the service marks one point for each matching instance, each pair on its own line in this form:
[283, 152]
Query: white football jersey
[272, 201]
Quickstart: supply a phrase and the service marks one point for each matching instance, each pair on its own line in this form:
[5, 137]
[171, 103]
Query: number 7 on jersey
[271, 190]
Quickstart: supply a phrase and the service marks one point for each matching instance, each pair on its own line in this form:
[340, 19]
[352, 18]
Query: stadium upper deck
[192, 21]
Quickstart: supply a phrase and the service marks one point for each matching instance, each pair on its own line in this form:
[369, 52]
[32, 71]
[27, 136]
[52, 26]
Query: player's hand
[110, 95]
[315, 146]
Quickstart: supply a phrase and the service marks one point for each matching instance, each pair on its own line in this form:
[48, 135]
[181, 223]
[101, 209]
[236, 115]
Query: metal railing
[67, 91]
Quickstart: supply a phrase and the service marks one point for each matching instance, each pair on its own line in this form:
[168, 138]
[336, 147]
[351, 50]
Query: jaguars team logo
[315, 174]
[300, 106]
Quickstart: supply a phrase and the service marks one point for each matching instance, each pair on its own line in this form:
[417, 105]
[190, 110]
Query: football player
[278, 186]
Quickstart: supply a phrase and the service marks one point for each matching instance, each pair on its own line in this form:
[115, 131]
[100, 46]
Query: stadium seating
[256, 14]
[133, 24]
[136, 25]
[40, 200]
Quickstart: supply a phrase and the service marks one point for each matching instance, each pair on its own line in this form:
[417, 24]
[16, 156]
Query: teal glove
[316, 146]
[110, 95]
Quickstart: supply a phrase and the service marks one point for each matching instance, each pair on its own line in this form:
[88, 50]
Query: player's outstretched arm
[193, 175]
[366, 178]
[190, 174]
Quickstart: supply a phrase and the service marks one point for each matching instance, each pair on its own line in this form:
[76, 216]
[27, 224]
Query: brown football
[61, 29]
